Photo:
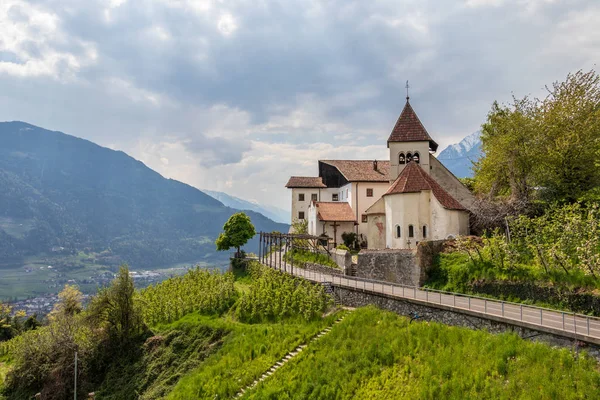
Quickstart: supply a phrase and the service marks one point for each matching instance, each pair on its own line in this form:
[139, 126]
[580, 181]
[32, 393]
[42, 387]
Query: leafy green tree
[236, 232]
[114, 308]
[548, 146]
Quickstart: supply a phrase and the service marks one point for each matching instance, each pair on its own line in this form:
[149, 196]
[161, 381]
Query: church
[389, 204]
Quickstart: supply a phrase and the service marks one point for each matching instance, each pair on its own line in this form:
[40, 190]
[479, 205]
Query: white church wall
[376, 231]
[403, 210]
[446, 222]
[361, 202]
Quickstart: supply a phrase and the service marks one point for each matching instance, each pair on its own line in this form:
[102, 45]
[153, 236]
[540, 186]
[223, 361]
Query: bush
[350, 240]
[198, 290]
[276, 295]
[301, 257]
[343, 247]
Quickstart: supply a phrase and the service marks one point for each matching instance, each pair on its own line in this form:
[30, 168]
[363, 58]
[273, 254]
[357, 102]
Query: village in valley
[315, 200]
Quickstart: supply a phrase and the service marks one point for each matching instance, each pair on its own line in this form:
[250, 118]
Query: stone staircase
[329, 290]
[290, 356]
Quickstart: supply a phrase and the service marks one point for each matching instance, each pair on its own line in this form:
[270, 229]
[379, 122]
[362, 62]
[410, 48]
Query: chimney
[375, 165]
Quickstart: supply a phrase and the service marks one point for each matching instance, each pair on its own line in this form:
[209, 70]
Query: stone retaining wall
[403, 266]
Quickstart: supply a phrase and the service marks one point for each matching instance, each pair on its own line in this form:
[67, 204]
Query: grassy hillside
[375, 354]
[61, 194]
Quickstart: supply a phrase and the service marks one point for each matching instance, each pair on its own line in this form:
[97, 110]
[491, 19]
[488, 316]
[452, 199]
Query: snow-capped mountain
[459, 157]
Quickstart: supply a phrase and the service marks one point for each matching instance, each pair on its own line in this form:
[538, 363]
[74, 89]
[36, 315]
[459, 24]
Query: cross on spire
[407, 87]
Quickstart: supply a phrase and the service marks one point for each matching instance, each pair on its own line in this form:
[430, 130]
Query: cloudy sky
[237, 96]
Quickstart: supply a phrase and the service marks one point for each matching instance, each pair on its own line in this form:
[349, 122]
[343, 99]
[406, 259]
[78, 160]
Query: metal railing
[566, 322]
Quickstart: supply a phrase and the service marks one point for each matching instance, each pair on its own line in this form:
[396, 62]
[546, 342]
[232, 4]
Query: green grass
[302, 257]
[455, 272]
[247, 352]
[375, 354]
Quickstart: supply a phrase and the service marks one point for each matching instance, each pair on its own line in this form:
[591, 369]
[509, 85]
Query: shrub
[275, 295]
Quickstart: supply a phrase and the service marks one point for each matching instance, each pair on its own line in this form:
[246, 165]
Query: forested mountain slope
[62, 191]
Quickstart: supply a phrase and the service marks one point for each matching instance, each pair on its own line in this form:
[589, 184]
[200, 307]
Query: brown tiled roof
[414, 179]
[305, 182]
[409, 128]
[362, 170]
[334, 211]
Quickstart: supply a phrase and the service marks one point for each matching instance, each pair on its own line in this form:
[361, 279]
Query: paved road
[562, 321]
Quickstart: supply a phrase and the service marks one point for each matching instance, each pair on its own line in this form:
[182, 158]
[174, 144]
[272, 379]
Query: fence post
[563, 320]
[292, 254]
[521, 306]
[280, 256]
[426, 295]
[541, 317]
[588, 326]
[574, 323]
[503, 309]
[469, 302]
[453, 300]
[485, 306]
[259, 245]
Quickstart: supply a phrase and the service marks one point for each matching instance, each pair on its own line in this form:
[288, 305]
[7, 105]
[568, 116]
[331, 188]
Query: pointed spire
[407, 87]
[409, 128]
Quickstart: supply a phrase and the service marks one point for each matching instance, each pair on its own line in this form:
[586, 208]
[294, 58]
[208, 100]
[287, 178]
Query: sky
[237, 96]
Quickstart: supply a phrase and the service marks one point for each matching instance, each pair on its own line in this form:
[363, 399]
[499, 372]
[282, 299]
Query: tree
[114, 308]
[550, 146]
[236, 232]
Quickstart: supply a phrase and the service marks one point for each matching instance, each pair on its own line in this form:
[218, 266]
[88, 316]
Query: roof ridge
[428, 183]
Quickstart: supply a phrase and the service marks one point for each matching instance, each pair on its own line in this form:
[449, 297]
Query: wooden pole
[280, 244]
[75, 386]
[292, 255]
[259, 245]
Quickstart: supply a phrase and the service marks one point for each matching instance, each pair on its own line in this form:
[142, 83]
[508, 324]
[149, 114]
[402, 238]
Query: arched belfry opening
[401, 159]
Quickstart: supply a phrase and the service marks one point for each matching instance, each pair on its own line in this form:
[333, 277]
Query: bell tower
[409, 141]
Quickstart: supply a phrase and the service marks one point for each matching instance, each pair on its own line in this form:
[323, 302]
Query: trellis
[273, 246]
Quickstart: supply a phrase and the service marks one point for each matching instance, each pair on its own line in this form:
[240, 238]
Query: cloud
[239, 95]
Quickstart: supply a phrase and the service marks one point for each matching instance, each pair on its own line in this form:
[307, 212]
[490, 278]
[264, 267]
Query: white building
[390, 204]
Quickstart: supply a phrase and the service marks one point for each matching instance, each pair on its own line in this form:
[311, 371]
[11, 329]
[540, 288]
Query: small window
[409, 157]
[301, 197]
[411, 231]
[398, 231]
[314, 197]
[416, 158]
[364, 218]
[334, 197]
[424, 231]
[301, 215]
[401, 159]
[369, 192]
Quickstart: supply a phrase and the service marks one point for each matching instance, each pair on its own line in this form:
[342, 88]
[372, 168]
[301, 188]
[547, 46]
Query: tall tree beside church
[550, 144]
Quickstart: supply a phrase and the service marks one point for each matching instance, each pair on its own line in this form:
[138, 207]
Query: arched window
[411, 231]
[401, 159]
[409, 157]
[416, 158]
[398, 231]
[424, 231]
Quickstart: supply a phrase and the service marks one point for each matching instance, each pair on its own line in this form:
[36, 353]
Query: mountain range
[271, 212]
[459, 157]
[63, 192]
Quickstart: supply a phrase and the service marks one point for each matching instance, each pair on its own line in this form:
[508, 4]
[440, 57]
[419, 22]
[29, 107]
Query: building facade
[392, 203]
